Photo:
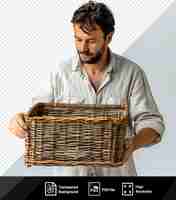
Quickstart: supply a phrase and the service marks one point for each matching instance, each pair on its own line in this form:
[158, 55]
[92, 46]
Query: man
[99, 76]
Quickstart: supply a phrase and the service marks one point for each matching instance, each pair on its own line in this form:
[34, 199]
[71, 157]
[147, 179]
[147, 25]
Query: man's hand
[17, 125]
[129, 149]
[146, 136]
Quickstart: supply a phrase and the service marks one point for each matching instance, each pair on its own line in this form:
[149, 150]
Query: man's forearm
[144, 137]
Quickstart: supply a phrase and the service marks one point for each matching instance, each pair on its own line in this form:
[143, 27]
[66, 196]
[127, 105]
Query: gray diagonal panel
[6, 188]
[155, 52]
[19, 169]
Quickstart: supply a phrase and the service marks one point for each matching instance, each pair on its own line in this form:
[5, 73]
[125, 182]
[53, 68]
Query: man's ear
[109, 37]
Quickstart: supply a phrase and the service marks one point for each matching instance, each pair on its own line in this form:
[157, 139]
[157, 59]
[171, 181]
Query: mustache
[87, 53]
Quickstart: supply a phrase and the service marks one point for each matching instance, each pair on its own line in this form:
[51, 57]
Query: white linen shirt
[125, 82]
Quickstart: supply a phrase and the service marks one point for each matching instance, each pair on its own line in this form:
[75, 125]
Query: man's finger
[19, 132]
[21, 121]
[128, 149]
[126, 156]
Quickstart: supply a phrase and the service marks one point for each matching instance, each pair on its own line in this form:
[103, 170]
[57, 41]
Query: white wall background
[36, 34]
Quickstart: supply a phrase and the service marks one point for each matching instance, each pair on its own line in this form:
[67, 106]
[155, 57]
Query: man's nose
[84, 46]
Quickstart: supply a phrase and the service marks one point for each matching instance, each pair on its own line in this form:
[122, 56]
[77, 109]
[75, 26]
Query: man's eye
[78, 40]
[92, 41]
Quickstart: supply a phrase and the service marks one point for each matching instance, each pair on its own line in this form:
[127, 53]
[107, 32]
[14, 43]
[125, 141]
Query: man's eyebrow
[77, 36]
[91, 38]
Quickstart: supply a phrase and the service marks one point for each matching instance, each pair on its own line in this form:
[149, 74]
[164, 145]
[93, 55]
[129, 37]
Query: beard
[90, 58]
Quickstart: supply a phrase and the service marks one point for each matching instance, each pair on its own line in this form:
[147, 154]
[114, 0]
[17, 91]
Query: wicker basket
[72, 134]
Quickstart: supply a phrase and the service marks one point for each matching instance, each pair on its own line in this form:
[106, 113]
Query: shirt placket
[96, 96]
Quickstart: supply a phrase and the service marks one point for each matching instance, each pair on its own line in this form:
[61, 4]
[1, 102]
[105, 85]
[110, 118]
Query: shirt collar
[110, 67]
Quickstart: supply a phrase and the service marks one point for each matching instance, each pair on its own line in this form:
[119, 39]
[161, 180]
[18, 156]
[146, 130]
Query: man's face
[90, 46]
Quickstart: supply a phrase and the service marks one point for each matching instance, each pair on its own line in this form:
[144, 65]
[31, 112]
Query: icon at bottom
[127, 189]
[94, 189]
[50, 189]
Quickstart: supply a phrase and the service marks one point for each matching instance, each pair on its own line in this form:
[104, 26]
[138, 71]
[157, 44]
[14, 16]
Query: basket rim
[123, 107]
[61, 104]
[75, 163]
[114, 120]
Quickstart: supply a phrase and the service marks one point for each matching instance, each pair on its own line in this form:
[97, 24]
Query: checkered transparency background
[35, 35]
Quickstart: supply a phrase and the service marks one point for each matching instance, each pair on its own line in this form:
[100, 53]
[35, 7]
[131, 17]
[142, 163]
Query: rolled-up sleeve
[143, 109]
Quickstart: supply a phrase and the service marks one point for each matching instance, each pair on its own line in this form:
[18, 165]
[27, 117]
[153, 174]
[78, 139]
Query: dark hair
[92, 13]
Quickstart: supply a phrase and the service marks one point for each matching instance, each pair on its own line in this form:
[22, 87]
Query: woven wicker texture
[72, 134]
